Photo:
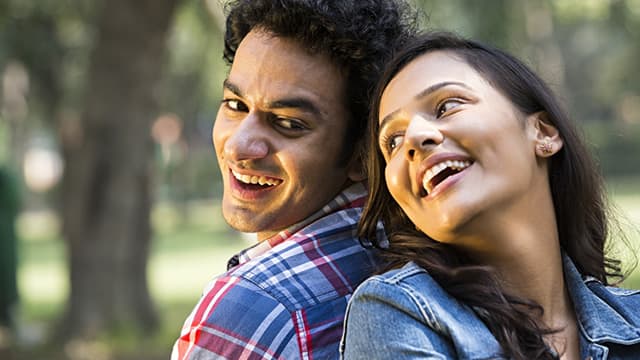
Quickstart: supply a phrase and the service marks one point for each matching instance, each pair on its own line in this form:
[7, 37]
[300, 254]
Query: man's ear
[546, 136]
[355, 168]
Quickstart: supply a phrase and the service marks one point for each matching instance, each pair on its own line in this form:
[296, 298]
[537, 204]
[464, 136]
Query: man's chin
[240, 222]
[244, 220]
[266, 221]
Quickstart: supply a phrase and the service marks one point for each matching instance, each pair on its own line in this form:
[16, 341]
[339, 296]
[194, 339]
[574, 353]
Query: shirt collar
[351, 197]
[594, 307]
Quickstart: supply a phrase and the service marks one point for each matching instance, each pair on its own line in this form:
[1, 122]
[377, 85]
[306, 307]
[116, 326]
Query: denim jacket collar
[594, 304]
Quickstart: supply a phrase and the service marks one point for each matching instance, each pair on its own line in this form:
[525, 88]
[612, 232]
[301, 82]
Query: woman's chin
[446, 227]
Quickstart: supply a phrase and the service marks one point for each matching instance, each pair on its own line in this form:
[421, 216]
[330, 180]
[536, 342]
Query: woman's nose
[420, 136]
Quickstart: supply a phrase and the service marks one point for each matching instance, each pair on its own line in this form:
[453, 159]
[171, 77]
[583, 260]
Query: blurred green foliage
[8, 247]
[586, 49]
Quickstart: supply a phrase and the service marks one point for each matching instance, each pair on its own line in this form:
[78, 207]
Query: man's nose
[248, 140]
[421, 135]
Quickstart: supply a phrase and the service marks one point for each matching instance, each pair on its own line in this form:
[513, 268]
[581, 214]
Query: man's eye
[235, 105]
[447, 106]
[290, 124]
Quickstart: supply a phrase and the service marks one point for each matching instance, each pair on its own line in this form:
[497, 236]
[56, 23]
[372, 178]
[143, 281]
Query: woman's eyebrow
[426, 92]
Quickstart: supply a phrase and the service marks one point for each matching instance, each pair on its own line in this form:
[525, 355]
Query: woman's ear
[547, 139]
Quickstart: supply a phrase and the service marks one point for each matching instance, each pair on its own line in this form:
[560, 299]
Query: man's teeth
[457, 165]
[260, 180]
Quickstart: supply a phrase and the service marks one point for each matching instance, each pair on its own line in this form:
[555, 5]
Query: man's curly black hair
[358, 35]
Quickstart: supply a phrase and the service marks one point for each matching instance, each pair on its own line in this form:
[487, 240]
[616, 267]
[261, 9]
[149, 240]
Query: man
[287, 137]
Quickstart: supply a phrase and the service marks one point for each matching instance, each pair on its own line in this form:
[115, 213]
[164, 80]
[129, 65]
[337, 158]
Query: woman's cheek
[398, 182]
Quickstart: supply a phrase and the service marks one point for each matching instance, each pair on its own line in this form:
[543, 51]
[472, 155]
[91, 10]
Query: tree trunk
[108, 157]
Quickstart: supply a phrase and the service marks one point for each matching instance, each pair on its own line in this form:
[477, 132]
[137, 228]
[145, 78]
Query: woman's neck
[528, 260]
[519, 238]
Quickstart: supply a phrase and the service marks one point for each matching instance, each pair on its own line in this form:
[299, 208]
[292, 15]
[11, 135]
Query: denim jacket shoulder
[405, 314]
[608, 317]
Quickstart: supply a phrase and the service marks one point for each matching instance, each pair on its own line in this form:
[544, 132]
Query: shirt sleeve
[236, 319]
[383, 321]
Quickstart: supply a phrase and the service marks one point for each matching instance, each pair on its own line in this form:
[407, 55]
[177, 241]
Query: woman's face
[458, 154]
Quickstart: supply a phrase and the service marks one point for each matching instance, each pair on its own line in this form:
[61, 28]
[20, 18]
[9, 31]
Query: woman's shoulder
[623, 300]
[608, 314]
[624, 294]
[410, 279]
[409, 295]
[410, 276]
[620, 297]
[413, 290]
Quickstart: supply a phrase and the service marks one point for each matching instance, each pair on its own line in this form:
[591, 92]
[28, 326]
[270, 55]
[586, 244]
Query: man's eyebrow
[431, 89]
[295, 102]
[232, 87]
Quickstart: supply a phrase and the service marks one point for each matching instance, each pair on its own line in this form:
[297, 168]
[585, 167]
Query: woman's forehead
[424, 72]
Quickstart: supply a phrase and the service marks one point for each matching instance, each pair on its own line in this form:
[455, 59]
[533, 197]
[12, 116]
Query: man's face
[279, 134]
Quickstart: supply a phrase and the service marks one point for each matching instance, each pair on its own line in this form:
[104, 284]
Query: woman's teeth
[259, 180]
[456, 165]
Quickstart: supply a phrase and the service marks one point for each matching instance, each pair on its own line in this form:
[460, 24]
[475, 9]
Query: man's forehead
[269, 54]
[271, 69]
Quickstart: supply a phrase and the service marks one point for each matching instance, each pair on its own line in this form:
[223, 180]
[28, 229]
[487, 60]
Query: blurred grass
[191, 245]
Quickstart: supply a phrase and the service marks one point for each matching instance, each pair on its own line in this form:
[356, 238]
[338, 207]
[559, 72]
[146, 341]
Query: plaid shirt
[284, 298]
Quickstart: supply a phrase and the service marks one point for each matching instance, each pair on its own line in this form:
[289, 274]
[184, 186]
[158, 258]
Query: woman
[495, 214]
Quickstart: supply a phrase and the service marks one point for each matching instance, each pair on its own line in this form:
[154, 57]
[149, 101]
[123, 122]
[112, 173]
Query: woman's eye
[392, 142]
[235, 105]
[290, 124]
[395, 141]
[447, 106]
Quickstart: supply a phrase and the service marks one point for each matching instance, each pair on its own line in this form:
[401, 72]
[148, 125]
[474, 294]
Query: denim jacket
[405, 314]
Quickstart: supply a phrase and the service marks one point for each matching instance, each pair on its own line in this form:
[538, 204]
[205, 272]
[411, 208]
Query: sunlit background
[586, 49]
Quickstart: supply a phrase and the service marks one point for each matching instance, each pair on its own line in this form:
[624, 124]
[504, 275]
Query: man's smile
[250, 187]
[256, 179]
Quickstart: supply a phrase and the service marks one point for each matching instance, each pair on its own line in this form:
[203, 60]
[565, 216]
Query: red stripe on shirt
[303, 334]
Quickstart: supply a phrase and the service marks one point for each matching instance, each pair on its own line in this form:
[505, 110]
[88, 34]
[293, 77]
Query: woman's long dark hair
[577, 188]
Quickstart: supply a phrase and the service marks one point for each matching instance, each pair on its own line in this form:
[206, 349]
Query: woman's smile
[439, 168]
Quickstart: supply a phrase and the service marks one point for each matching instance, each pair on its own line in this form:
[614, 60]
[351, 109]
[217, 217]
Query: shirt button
[588, 358]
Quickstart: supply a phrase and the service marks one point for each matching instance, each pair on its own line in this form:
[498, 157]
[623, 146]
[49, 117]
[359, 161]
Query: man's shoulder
[235, 318]
[299, 287]
[231, 296]
[310, 267]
